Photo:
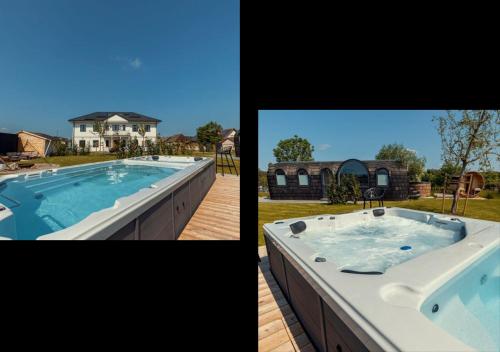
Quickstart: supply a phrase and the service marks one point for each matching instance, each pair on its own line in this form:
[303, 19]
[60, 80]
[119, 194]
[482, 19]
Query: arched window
[280, 177]
[303, 177]
[354, 167]
[382, 178]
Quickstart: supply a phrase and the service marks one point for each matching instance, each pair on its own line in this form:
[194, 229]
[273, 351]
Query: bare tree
[468, 139]
[100, 128]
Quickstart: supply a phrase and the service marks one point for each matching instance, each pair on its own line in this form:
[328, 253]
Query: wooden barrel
[422, 188]
[476, 184]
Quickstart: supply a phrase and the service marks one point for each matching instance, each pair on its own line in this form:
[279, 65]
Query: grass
[488, 209]
[69, 160]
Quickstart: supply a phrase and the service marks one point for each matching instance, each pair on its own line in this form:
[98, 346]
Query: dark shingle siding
[398, 179]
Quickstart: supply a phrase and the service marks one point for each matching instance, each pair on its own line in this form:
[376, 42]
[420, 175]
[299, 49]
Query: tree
[293, 149]
[437, 176]
[471, 138]
[100, 128]
[133, 148]
[141, 129]
[347, 189]
[263, 179]
[408, 158]
[209, 134]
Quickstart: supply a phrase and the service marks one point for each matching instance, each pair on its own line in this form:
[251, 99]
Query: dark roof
[227, 132]
[46, 136]
[129, 116]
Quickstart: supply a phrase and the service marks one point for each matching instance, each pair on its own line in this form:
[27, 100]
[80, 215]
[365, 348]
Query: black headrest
[298, 227]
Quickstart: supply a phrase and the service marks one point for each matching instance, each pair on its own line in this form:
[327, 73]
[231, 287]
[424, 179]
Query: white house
[120, 125]
[228, 137]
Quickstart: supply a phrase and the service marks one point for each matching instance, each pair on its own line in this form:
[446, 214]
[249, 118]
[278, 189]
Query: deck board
[279, 329]
[218, 216]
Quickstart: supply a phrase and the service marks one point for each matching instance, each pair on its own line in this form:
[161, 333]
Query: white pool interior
[376, 244]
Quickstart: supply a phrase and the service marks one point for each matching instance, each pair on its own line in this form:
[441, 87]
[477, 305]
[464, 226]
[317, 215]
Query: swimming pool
[468, 307]
[90, 201]
[366, 280]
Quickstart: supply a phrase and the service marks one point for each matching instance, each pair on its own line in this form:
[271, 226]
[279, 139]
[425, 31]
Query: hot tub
[136, 198]
[365, 280]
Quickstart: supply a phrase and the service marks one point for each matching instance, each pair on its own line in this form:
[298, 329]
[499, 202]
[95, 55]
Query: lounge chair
[374, 193]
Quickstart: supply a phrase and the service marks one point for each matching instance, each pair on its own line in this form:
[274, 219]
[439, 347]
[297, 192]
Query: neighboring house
[38, 142]
[310, 179]
[237, 144]
[228, 137]
[121, 126]
[188, 142]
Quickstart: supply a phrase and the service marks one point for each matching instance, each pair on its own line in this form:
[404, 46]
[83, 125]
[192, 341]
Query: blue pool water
[49, 203]
[468, 307]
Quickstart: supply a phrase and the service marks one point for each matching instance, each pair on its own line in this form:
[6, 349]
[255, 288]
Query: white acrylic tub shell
[387, 307]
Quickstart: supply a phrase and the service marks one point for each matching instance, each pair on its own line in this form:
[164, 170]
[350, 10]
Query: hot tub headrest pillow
[298, 227]
[378, 212]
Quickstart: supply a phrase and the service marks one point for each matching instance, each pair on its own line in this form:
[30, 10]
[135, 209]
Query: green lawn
[69, 160]
[488, 209]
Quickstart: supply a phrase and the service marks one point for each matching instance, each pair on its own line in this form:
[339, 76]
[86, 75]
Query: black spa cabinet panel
[127, 232]
[182, 208]
[338, 336]
[276, 265]
[196, 193]
[306, 304]
[156, 223]
[211, 173]
[205, 182]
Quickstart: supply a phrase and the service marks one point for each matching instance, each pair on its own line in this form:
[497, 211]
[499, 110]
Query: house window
[280, 178]
[134, 128]
[107, 143]
[148, 128]
[83, 128]
[116, 128]
[382, 177]
[81, 143]
[95, 143]
[303, 177]
[123, 127]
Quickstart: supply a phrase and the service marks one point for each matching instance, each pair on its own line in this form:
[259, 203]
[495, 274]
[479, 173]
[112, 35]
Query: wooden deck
[279, 329]
[218, 216]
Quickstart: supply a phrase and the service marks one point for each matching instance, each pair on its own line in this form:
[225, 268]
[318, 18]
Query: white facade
[118, 129]
[228, 140]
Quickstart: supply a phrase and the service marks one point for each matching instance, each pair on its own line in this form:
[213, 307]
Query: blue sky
[344, 134]
[174, 60]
